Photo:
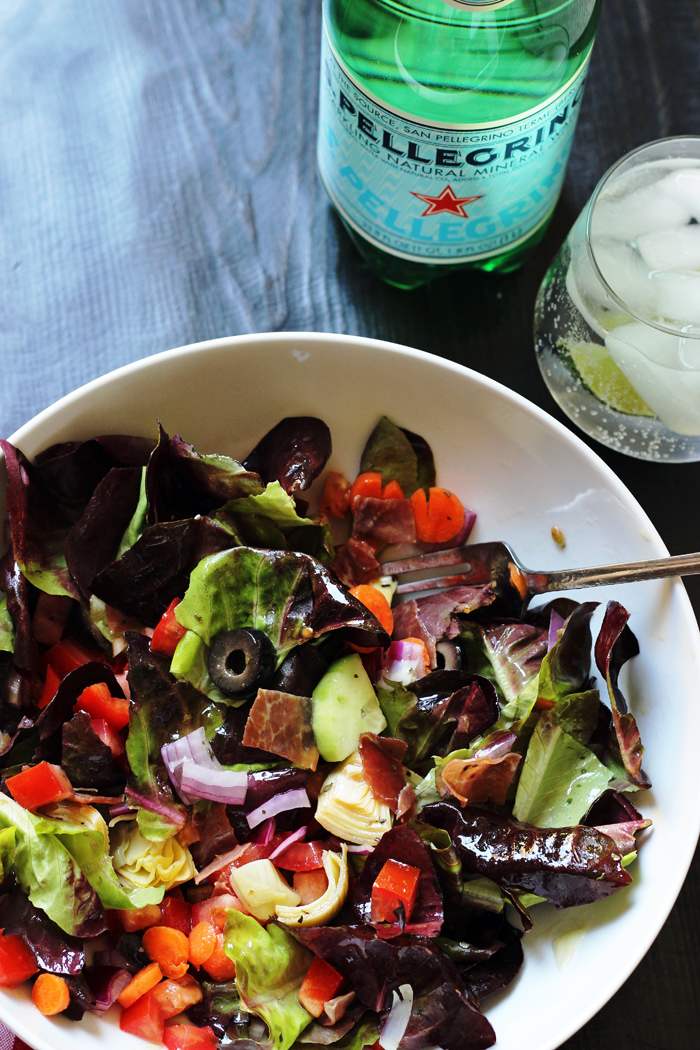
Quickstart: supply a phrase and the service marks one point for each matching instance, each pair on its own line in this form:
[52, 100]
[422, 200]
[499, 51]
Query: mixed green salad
[250, 798]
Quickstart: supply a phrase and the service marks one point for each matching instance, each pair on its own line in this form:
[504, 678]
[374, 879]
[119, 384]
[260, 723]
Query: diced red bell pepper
[168, 631]
[321, 983]
[301, 856]
[17, 962]
[177, 913]
[144, 1018]
[132, 919]
[53, 680]
[39, 785]
[310, 885]
[395, 884]
[188, 1037]
[68, 654]
[108, 735]
[98, 703]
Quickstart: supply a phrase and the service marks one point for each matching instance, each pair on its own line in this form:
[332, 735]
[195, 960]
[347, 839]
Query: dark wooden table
[158, 187]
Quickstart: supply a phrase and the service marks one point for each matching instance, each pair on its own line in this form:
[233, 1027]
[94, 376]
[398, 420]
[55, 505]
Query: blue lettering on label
[438, 193]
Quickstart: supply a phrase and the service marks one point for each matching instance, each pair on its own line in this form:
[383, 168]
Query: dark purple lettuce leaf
[569, 661]
[443, 1013]
[566, 866]
[262, 786]
[443, 711]
[70, 471]
[403, 845]
[301, 671]
[156, 569]
[93, 541]
[611, 808]
[19, 669]
[436, 617]
[216, 835]
[514, 650]
[221, 1010]
[86, 760]
[227, 740]
[319, 1034]
[615, 645]
[38, 526]
[81, 997]
[54, 950]
[181, 484]
[162, 709]
[294, 453]
[60, 707]
[497, 971]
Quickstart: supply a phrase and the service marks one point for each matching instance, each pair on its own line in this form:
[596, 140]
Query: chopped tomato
[176, 913]
[168, 631]
[133, 919]
[108, 735]
[215, 908]
[39, 785]
[17, 962]
[392, 491]
[395, 885]
[301, 856]
[310, 885]
[365, 486]
[335, 501]
[51, 684]
[65, 656]
[188, 1037]
[144, 1018]
[320, 984]
[98, 703]
[175, 996]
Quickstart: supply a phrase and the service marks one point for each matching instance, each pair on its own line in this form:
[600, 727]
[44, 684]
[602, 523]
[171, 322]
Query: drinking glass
[617, 319]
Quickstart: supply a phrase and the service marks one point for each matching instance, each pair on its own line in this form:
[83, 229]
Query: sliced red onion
[404, 662]
[296, 836]
[220, 862]
[556, 622]
[264, 833]
[397, 1022]
[153, 805]
[362, 850]
[194, 747]
[294, 799]
[106, 984]
[216, 785]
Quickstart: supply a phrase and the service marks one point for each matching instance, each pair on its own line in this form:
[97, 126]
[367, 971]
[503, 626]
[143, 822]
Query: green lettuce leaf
[560, 778]
[138, 522]
[8, 840]
[7, 629]
[270, 966]
[83, 833]
[50, 876]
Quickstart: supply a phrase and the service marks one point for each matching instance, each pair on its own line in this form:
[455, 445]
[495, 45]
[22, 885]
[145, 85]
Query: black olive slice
[241, 662]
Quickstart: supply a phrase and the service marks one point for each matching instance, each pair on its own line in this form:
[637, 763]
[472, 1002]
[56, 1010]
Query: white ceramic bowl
[523, 473]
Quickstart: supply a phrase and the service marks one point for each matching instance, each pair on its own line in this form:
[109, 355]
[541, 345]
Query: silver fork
[496, 564]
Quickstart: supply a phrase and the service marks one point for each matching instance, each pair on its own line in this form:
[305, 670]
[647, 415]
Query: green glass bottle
[445, 126]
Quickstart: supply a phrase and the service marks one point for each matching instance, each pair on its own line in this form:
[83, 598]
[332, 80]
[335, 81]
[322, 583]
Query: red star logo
[447, 201]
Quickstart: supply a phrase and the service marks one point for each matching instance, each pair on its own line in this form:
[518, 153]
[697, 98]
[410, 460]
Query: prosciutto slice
[281, 723]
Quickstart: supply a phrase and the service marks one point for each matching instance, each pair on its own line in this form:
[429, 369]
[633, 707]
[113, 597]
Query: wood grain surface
[158, 187]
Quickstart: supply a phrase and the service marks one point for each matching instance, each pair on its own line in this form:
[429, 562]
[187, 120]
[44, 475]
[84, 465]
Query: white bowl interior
[523, 473]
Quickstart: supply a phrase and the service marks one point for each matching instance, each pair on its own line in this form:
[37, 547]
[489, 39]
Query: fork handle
[572, 579]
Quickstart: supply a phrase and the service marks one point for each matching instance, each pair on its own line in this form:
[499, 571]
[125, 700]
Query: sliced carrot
[218, 965]
[141, 983]
[367, 485]
[169, 948]
[202, 943]
[50, 994]
[439, 516]
[377, 604]
[335, 501]
[392, 491]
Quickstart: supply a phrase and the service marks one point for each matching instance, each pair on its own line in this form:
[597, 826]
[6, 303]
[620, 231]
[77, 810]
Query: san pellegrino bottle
[445, 126]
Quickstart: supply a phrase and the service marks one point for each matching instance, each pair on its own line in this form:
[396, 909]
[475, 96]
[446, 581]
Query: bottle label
[440, 193]
[477, 5]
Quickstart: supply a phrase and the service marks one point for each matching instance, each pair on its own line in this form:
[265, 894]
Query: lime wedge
[604, 379]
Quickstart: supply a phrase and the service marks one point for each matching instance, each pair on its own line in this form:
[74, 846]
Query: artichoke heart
[329, 903]
[347, 808]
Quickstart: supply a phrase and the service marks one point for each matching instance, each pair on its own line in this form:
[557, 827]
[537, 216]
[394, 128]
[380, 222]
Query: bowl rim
[558, 430]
